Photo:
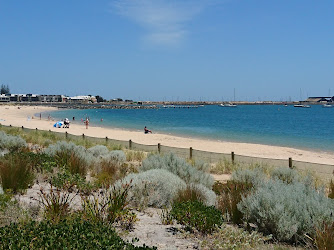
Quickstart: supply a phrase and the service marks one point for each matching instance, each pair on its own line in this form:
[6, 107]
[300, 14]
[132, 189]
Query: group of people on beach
[66, 124]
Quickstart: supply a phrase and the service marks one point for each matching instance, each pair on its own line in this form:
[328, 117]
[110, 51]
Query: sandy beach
[24, 116]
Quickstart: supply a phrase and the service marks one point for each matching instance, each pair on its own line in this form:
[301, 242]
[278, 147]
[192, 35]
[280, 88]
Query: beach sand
[12, 115]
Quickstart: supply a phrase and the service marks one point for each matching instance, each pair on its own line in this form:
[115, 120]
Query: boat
[302, 106]
[228, 105]
[327, 106]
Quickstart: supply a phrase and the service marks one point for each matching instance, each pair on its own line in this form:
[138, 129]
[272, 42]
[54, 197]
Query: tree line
[4, 89]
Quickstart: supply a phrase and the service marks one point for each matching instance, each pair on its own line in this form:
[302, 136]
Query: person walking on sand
[146, 131]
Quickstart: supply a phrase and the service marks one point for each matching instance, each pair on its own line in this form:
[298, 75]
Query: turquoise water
[306, 128]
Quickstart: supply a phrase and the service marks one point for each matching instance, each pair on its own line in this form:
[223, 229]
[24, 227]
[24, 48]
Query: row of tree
[4, 89]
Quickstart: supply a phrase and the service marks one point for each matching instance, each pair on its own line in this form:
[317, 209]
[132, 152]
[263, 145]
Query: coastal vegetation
[87, 195]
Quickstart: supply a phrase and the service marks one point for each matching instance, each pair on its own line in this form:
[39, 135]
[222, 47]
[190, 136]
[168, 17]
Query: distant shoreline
[147, 105]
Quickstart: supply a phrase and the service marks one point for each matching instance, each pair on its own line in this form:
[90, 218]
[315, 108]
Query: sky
[169, 50]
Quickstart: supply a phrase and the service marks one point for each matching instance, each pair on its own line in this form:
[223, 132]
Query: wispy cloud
[165, 20]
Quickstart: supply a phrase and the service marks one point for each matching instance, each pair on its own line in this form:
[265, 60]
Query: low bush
[115, 157]
[195, 215]
[156, 188]
[200, 165]
[111, 207]
[40, 162]
[287, 211]
[324, 238]
[16, 171]
[10, 212]
[10, 142]
[229, 195]
[4, 199]
[65, 180]
[179, 167]
[98, 150]
[286, 175]
[254, 176]
[111, 168]
[196, 192]
[229, 237]
[331, 190]
[117, 207]
[67, 234]
[75, 158]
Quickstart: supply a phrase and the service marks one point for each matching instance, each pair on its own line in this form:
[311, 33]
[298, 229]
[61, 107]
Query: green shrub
[117, 207]
[16, 171]
[287, 211]
[229, 195]
[65, 180]
[195, 215]
[111, 207]
[10, 142]
[56, 204]
[68, 234]
[156, 188]
[4, 199]
[40, 162]
[179, 167]
[324, 238]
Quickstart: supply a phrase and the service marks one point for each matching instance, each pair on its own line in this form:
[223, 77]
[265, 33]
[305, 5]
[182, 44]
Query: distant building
[82, 99]
[324, 99]
[117, 100]
[4, 98]
[53, 98]
[29, 98]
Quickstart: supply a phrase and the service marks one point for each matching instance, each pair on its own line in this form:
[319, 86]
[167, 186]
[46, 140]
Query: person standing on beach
[87, 123]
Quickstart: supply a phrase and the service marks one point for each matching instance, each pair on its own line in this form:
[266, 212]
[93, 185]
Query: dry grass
[132, 155]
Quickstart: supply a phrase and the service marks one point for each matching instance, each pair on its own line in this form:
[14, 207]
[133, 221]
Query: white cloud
[164, 20]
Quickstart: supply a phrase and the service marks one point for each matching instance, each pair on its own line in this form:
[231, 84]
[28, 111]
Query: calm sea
[305, 128]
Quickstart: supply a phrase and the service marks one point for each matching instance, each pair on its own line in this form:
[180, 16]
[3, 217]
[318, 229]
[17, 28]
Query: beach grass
[45, 138]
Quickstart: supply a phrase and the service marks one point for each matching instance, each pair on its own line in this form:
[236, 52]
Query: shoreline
[12, 115]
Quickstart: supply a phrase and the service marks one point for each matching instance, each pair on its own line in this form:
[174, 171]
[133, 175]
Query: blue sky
[169, 50]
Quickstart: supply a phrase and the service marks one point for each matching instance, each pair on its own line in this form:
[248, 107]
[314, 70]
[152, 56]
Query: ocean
[304, 128]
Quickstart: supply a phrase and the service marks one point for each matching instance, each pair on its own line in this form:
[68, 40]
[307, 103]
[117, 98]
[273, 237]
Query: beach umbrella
[58, 124]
